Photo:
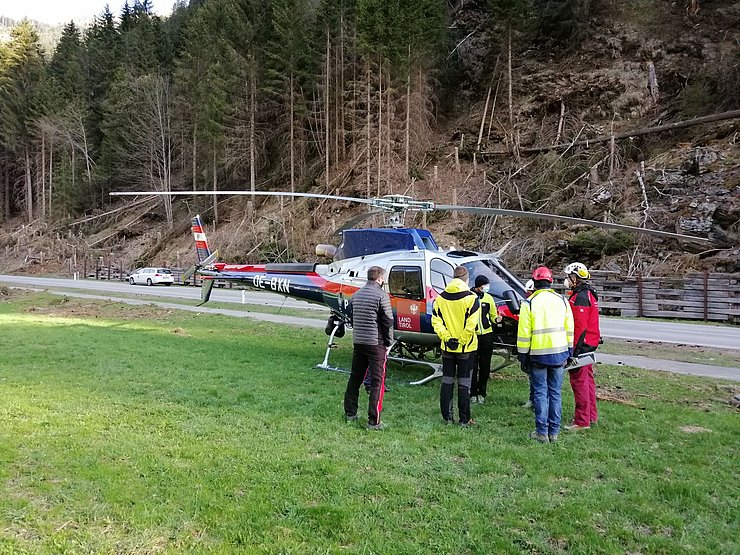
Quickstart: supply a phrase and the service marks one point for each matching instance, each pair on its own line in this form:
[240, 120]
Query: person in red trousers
[585, 306]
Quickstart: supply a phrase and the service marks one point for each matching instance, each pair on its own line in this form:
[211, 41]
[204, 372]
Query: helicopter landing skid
[329, 346]
[436, 366]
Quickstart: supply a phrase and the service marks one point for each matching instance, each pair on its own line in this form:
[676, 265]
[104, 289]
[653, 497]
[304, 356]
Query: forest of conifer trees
[237, 94]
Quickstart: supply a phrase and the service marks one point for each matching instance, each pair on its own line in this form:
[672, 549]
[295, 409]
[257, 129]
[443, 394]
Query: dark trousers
[455, 366]
[370, 359]
[481, 365]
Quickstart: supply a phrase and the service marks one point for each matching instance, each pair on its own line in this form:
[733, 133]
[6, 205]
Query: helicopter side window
[441, 274]
[405, 282]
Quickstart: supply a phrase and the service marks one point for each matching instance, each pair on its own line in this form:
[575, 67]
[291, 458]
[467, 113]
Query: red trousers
[584, 392]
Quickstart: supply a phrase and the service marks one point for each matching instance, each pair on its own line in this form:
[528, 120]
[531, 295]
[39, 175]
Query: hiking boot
[348, 418]
[374, 427]
[553, 438]
[527, 405]
[576, 428]
[542, 438]
[467, 424]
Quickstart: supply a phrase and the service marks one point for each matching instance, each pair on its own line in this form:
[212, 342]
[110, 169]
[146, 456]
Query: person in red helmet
[544, 344]
[584, 303]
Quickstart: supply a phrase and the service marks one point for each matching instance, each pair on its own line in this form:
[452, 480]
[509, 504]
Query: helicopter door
[406, 288]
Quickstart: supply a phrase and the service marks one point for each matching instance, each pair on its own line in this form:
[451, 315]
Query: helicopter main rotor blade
[349, 224]
[567, 219]
[232, 193]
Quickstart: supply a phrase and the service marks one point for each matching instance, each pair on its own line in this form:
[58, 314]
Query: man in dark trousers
[372, 336]
[455, 319]
[584, 303]
[481, 364]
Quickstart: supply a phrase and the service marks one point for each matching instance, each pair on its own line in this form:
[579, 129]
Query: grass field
[138, 430]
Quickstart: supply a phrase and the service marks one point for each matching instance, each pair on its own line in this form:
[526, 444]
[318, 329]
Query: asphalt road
[718, 337]
[624, 329]
[161, 291]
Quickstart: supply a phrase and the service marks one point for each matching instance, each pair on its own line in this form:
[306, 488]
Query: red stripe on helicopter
[197, 229]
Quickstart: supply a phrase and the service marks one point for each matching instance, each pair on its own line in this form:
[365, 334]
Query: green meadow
[140, 430]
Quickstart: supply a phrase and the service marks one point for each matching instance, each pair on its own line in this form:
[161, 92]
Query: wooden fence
[694, 296]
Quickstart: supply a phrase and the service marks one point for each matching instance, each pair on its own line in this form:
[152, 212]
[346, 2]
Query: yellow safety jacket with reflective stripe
[545, 328]
[488, 314]
[455, 315]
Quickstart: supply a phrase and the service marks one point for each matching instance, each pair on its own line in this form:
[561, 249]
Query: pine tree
[289, 74]
[24, 68]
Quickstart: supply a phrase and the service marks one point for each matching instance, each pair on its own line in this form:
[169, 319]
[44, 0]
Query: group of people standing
[552, 330]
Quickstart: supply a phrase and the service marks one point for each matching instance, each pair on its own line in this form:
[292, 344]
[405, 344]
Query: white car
[151, 276]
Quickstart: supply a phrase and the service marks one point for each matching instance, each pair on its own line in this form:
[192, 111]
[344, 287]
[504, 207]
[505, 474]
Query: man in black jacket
[372, 336]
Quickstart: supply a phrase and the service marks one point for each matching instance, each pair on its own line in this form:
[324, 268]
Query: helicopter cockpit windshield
[500, 280]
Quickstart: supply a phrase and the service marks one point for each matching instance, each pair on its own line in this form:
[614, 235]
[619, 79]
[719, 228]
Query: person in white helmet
[584, 303]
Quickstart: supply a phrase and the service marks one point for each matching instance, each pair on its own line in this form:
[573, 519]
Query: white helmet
[529, 286]
[578, 269]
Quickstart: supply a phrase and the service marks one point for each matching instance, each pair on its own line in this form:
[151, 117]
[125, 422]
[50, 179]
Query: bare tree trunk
[388, 150]
[215, 188]
[380, 121]
[29, 186]
[195, 155]
[51, 175]
[252, 137]
[292, 137]
[367, 132]
[483, 119]
[326, 100]
[4, 194]
[560, 121]
[493, 109]
[342, 139]
[43, 175]
[408, 118]
[511, 101]
[653, 82]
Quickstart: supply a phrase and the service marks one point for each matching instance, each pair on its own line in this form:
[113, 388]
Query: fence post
[706, 295]
[84, 267]
[639, 294]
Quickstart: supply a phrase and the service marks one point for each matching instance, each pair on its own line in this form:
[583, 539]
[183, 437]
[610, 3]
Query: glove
[525, 368]
[452, 344]
[523, 358]
[569, 362]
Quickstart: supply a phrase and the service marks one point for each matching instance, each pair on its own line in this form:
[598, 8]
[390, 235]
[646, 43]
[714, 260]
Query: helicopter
[417, 271]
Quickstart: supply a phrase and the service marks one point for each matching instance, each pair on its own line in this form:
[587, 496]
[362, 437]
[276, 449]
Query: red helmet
[543, 272]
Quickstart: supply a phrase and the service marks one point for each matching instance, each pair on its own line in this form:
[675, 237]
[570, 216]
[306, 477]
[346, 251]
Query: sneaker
[553, 438]
[447, 421]
[542, 438]
[378, 426]
[467, 424]
[348, 418]
[481, 400]
[576, 428]
[527, 405]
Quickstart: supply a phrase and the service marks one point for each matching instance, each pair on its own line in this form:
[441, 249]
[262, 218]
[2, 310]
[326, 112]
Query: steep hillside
[633, 65]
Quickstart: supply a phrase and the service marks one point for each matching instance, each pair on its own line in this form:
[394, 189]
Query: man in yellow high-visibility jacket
[544, 343]
[455, 319]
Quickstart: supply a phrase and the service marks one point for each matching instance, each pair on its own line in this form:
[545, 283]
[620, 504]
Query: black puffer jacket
[372, 317]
